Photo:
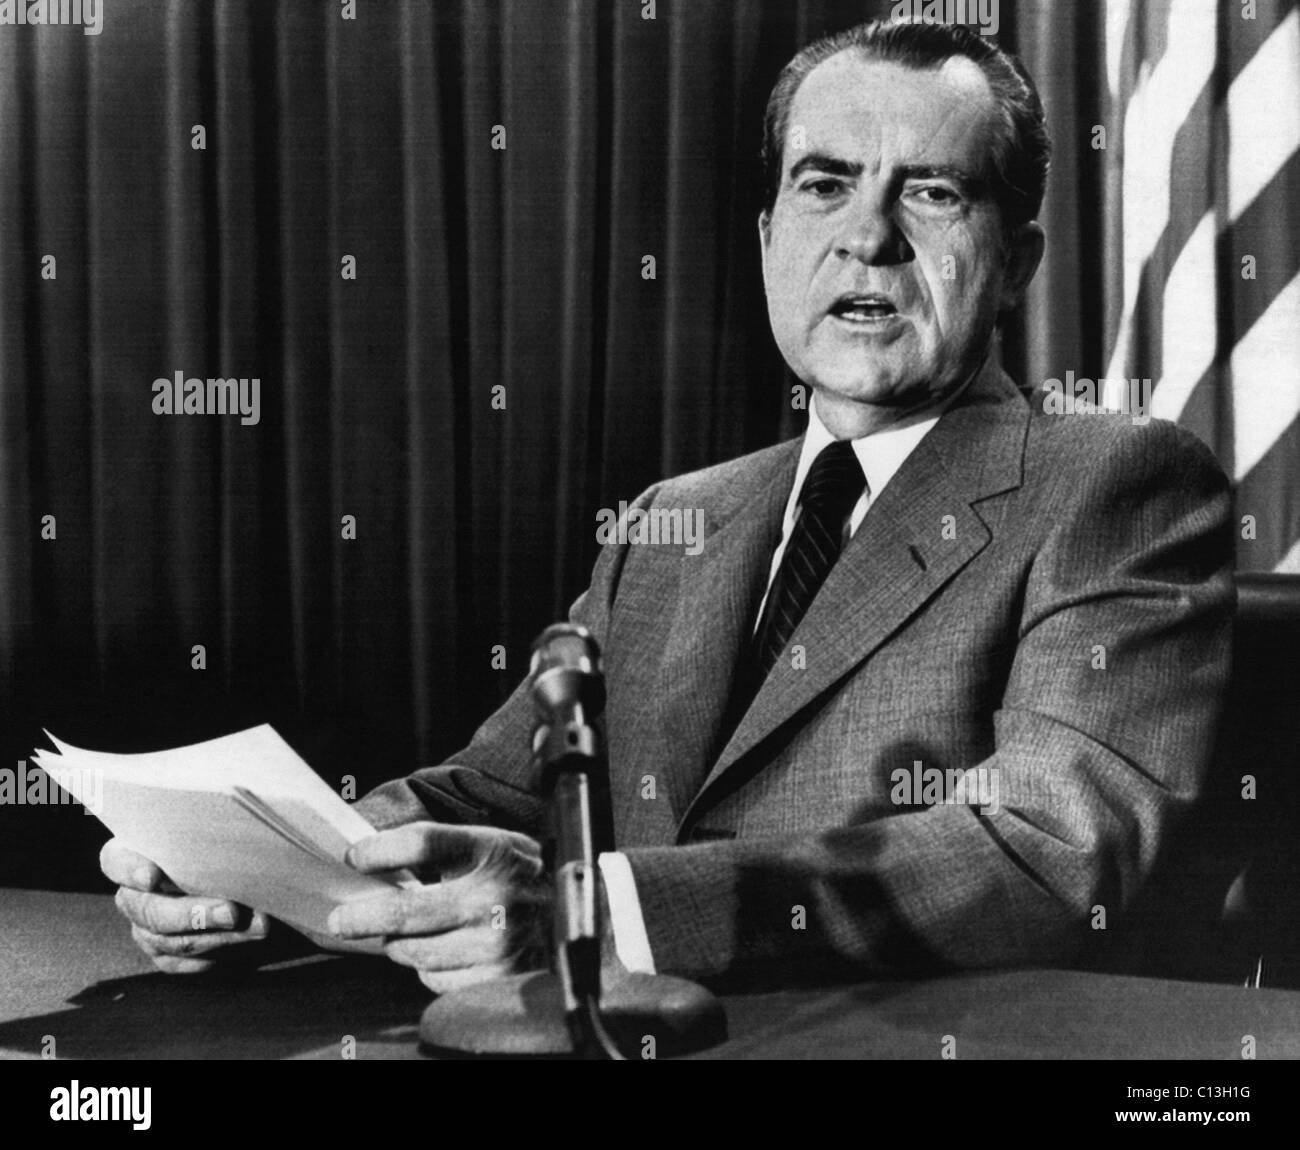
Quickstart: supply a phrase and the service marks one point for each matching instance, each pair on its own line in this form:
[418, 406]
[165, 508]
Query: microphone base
[523, 1016]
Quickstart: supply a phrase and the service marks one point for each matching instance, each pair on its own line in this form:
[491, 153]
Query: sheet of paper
[277, 846]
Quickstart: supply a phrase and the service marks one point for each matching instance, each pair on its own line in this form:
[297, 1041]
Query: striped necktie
[835, 483]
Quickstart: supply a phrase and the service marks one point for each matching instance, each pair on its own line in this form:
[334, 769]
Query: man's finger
[443, 981]
[125, 867]
[190, 945]
[433, 845]
[168, 914]
[419, 910]
[452, 950]
[169, 964]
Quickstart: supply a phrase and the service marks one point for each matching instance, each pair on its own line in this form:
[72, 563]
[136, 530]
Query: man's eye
[822, 186]
[937, 195]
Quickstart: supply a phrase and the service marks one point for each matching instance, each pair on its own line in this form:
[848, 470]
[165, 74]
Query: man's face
[884, 259]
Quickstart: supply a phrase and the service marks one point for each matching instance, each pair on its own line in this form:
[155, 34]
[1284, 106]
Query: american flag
[1203, 240]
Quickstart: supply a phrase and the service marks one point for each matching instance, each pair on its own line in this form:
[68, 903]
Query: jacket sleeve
[1102, 738]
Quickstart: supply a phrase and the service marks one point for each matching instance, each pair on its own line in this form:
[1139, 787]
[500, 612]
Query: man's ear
[764, 239]
[1024, 253]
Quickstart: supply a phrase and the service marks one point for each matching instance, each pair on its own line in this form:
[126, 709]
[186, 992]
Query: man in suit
[946, 667]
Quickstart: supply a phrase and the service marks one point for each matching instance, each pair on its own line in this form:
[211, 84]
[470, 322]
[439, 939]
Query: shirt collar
[880, 454]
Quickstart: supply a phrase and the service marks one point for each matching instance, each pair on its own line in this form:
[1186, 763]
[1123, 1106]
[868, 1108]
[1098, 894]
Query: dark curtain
[500, 368]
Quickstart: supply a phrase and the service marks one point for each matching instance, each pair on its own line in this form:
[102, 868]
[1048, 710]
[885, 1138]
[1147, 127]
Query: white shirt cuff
[631, 943]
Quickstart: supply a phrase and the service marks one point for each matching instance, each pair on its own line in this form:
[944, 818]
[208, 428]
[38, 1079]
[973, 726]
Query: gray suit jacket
[1048, 597]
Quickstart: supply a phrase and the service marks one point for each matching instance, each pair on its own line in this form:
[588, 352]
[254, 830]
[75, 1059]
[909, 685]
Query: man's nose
[871, 234]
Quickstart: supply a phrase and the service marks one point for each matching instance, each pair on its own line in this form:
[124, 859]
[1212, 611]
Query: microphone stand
[568, 1011]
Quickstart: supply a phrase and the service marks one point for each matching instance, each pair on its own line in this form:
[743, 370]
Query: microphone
[571, 774]
[574, 1008]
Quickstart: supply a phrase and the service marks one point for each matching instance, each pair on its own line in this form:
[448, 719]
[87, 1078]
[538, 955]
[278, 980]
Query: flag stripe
[1191, 196]
[1271, 496]
[1119, 43]
[1189, 332]
[1246, 37]
[1266, 379]
[1274, 252]
[1264, 125]
[1156, 110]
[1290, 563]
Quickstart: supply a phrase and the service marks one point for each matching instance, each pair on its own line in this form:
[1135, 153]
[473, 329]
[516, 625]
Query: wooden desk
[69, 970]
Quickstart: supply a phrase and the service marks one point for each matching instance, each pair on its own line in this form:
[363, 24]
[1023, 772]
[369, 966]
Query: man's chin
[859, 405]
[876, 389]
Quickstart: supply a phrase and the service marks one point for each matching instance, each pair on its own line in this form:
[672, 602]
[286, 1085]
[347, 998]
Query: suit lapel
[898, 558]
[718, 593]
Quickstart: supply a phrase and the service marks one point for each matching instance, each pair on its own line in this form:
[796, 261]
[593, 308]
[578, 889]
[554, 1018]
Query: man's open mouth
[869, 308]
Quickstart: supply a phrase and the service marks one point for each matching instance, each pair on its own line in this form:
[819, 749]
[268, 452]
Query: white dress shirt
[881, 454]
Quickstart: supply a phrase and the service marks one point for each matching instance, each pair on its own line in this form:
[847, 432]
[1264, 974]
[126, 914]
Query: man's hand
[487, 917]
[185, 934]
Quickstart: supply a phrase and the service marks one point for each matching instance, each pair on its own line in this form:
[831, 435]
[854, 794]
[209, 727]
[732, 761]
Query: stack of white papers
[240, 817]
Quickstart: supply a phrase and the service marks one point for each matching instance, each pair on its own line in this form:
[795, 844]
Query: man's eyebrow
[821, 162]
[851, 169]
[959, 176]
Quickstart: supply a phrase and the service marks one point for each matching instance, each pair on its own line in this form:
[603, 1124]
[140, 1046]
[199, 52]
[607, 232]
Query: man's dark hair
[1022, 150]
